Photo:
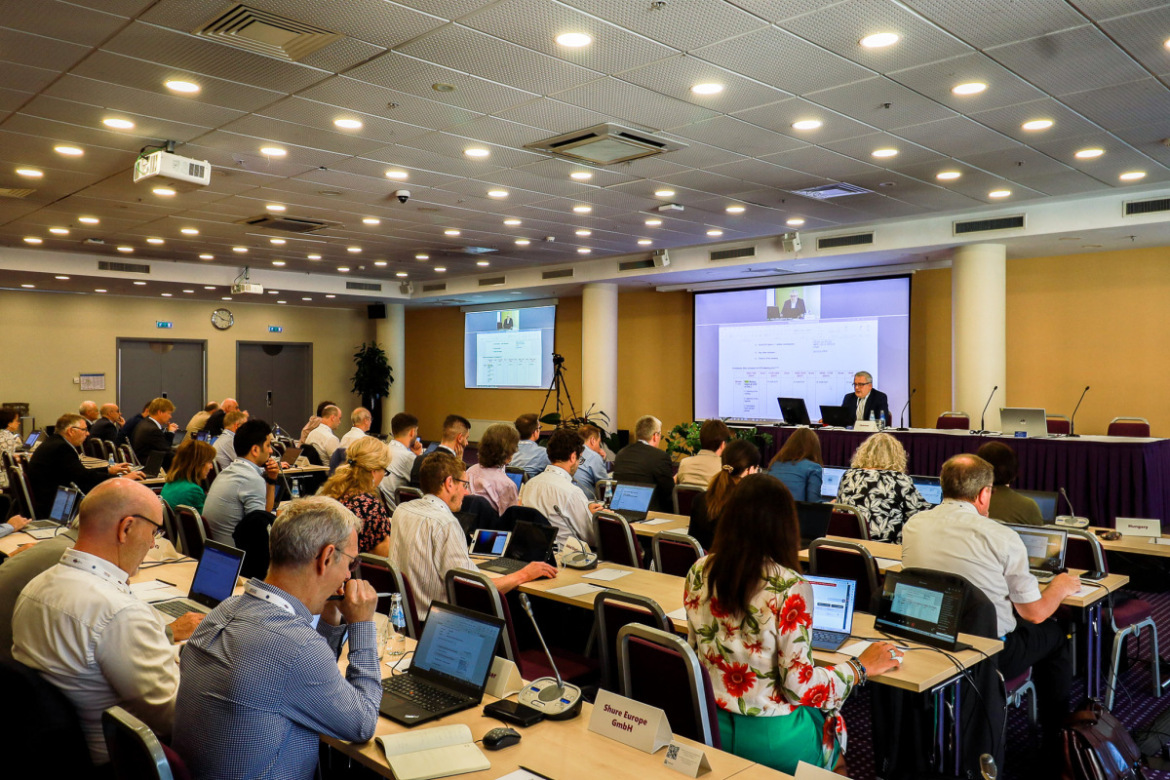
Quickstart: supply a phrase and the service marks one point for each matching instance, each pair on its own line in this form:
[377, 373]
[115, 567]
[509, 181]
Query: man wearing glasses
[57, 463]
[78, 624]
[865, 399]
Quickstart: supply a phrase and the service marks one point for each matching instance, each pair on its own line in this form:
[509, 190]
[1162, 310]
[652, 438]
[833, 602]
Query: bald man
[88, 410]
[214, 425]
[107, 427]
[79, 625]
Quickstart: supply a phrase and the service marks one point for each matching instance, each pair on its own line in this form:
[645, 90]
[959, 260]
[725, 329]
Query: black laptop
[925, 609]
[530, 542]
[793, 410]
[65, 505]
[31, 441]
[814, 520]
[154, 463]
[215, 579]
[178, 438]
[839, 416]
[450, 667]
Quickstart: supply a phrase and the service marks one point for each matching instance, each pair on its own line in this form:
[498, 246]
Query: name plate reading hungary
[630, 722]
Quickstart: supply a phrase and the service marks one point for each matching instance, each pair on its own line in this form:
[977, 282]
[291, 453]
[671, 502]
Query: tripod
[558, 384]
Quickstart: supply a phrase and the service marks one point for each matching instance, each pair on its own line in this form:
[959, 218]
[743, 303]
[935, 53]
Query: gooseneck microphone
[580, 559]
[983, 414]
[902, 416]
[1071, 520]
[551, 696]
[1072, 431]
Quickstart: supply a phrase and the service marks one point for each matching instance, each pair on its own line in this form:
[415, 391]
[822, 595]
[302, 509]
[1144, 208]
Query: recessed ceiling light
[483, 263]
[583, 232]
[397, 175]
[62, 277]
[581, 175]
[476, 151]
[574, 40]
[402, 274]
[226, 298]
[348, 124]
[126, 249]
[999, 193]
[343, 268]
[583, 251]
[140, 284]
[282, 301]
[118, 124]
[807, 124]
[970, 88]
[306, 298]
[206, 257]
[273, 151]
[948, 175]
[884, 153]
[277, 241]
[314, 257]
[68, 151]
[1167, 43]
[31, 173]
[653, 222]
[440, 269]
[422, 257]
[735, 209]
[714, 232]
[155, 241]
[497, 193]
[163, 192]
[664, 193]
[275, 207]
[1132, 175]
[188, 292]
[243, 250]
[330, 295]
[794, 222]
[1089, 154]
[59, 231]
[707, 89]
[450, 232]
[644, 242]
[1037, 124]
[522, 242]
[371, 221]
[99, 289]
[380, 263]
[354, 250]
[185, 87]
[209, 287]
[582, 209]
[878, 40]
[89, 220]
[512, 222]
[29, 286]
[167, 295]
[189, 231]
[32, 240]
[278, 263]
[441, 87]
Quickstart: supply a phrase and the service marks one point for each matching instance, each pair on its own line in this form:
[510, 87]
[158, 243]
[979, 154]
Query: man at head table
[865, 400]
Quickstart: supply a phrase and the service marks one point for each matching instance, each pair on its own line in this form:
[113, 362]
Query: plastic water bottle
[882, 421]
[397, 626]
[112, 463]
[872, 419]
[608, 493]
[296, 489]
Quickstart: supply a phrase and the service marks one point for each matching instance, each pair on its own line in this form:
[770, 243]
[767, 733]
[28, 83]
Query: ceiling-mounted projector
[244, 288]
[183, 172]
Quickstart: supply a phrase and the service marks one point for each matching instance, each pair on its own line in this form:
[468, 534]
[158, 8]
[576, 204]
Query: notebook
[839, 416]
[1046, 549]
[814, 520]
[153, 465]
[530, 542]
[449, 669]
[31, 441]
[65, 505]
[215, 579]
[929, 488]
[832, 614]
[487, 542]
[924, 609]
[515, 474]
[793, 410]
[830, 481]
[1033, 423]
[178, 439]
[632, 500]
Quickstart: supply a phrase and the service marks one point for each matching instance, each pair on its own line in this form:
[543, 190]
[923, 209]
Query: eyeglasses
[861, 384]
[465, 482]
[77, 428]
[159, 528]
[355, 562]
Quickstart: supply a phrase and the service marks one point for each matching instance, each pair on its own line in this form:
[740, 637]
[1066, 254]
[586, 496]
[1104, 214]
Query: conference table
[1105, 476]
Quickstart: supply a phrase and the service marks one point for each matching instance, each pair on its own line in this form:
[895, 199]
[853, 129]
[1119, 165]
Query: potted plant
[683, 439]
[371, 380]
[597, 419]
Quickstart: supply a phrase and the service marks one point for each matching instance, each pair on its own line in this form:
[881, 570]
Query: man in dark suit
[793, 308]
[57, 462]
[456, 430]
[865, 399]
[156, 432]
[642, 461]
[107, 425]
[126, 435]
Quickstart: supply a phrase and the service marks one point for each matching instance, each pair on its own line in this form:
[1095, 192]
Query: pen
[164, 582]
[534, 772]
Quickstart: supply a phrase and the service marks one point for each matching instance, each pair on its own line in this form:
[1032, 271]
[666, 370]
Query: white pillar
[599, 346]
[978, 330]
[391, 334]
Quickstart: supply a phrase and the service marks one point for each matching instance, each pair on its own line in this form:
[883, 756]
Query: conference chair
[616, 542]
[676, 552]
[1016, 689]
[475, 590]
[18, 481]
[135, 752]
[1129, 426]
[850, 561]
[683, 496]
[847, 521]
[126, 454]
[93, 448]
[612, 610]
[953, 421]
[388, 579]
[335, 460]
[1058, 424]
[660, 669]
[170, 523]
[192, 530]
[600, 485]
[406, 493]
[108, 450]
[477, 512]
[49, 727]
[516, 512]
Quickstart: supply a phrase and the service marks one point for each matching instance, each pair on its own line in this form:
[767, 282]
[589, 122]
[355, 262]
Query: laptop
[924, 609]
[1033, 423]
[832, 614]
[215, 579]
[929, 488]
[632, 500]
[530, 542]
[793, 410]
[1045, 500]
[487, 542]
[154, 463]
[830, 481]
[290, 455]
[450, 667]
[1046, 548]
[178, 439]
[65, 505]
[203, 436]
[31, 441]
[814, 520]
[839, 416]
[515, 474]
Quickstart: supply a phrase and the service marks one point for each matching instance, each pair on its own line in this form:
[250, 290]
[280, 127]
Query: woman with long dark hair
[799, 466]
[740, 457]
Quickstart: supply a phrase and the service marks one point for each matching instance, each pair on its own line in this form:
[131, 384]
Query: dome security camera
[402, 195]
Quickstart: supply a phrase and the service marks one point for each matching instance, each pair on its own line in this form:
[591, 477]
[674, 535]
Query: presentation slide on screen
[754, 346]
[917, 603]
[509, 348]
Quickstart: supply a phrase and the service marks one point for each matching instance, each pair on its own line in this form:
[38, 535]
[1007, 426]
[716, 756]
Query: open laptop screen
[63, 505]
[1046, 546]
[832, 604]
[921, 608]
[631, 498]
[457, 646]
[1045, 500]
[830, 481]
[215, 577]
[929, 488]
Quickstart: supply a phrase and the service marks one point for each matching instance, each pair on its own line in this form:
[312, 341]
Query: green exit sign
[162, 324]
[275, 329]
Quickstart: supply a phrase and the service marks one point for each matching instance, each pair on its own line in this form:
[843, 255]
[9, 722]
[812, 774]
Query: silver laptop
[1046, 549]
[830, 481]
[832, 613]
[215, 579]
[632, 500]
[1032, 422]
[65, 505]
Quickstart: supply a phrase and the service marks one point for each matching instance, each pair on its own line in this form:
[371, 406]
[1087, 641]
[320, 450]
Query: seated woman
[740, 457]
[488, 478]
[877, 484]
[187, 479]
[749, 616]
[355, 485]
[1007, 505]
[799, 466]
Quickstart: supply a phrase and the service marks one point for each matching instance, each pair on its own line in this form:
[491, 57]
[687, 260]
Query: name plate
[689, 760]
[1139, 526]
[629, 722]
[504, 679]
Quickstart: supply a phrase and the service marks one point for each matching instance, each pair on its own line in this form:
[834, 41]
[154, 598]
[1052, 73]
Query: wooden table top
[676, 523]
[1135, 545]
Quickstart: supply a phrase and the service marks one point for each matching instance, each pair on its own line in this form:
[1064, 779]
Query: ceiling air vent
[605, 144]
[996, 223]
[126, 268]
[1147, 206]
[288, 224]
[266, 33]
[439, 287]
[560, 273]
[635, 265]
[15, 192]
[367, 286]
[827, 191]
[836, 242]
[492, 281]
[732, 254]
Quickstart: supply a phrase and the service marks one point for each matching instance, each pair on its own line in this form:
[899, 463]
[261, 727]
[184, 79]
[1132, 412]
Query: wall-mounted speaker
[376, 311]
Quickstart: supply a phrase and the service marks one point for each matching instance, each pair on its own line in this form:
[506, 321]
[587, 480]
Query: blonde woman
[355, 485]
[878, 485]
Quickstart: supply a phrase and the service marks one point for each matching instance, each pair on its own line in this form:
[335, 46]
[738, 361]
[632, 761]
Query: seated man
[322, 438]
[260, 683]
[199, 420]
[126, 434]
[89, 410]
[554, 494]
[958, 537]
[865, 401]
[156, 433]
[426, 540]
[592, 465]
[700, 468]
[360, 420]
[404, 448]
[225, 443]
[453, 442]
[18, 570]
[214, 425]
[642, 461]
[1007, 505]
[79, 625]
[57, 462]
[107, 427]
[530, 456]
[240, 488]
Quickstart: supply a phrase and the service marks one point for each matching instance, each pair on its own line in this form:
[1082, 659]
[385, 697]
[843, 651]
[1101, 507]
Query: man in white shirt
[79, 625]
[360, 419]
[529, 456]
[405, 446]
[225, 443]
[553, 489]
[322, 438]
[426, 540]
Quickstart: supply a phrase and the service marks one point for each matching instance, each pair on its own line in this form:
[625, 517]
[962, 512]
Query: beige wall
[53, 338]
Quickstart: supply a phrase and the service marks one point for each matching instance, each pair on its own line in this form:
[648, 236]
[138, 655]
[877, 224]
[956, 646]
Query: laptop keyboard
[504, 565]
[821, 636]
[175, 609]
[420, 693]
[40, 525]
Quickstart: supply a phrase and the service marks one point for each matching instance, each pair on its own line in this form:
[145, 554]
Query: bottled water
[397, 626]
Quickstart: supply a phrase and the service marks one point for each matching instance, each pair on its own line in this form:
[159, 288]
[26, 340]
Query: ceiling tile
[280, 132]
[1109, 9]
[1143, 35]
[555, 116]
[684, 26]
[780, 117]
[38, 51]
[113, 98]
[320, 116]
[767, 174]
[730, 133]
[995, 22]
[392, 104]
[820, 162]
[936, 81]
[1135, 103]
[1010, 120]
[882, 102]
[674, 77]
[630, 103]
[62, 21]
[407, 74]
[862, 148]
[956, 136]
[1067, 62]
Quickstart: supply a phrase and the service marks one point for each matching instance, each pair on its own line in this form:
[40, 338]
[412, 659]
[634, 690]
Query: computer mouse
[500, 738]
[1109, 536]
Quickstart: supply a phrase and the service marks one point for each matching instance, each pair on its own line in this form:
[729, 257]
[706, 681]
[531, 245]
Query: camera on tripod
[558, 360]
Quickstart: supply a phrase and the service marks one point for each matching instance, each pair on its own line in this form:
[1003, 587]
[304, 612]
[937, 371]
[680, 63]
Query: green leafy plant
[683, 439]
[590, 416]
[371, 380]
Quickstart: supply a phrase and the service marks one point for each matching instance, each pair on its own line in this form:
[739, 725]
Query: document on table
[576, 589]
[606, 575]
[156, 590]
[678, 614]
[657, 521]
[886, 563]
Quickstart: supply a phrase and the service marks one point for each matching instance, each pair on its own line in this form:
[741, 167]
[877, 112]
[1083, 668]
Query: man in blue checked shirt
[258, 683]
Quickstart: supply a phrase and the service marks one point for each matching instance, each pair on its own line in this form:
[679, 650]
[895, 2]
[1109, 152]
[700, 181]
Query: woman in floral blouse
[355, 485]
[749, 616]
[877, 484]
[9, 438]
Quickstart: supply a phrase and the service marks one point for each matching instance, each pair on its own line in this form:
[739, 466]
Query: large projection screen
[509, 347]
